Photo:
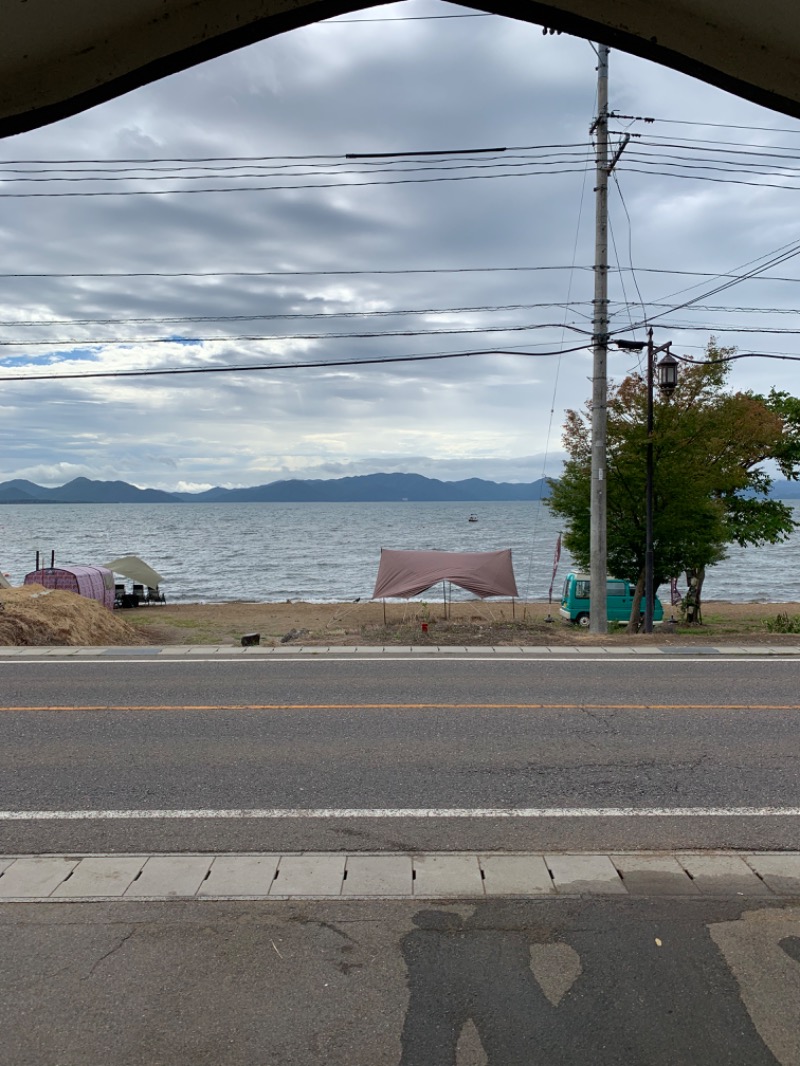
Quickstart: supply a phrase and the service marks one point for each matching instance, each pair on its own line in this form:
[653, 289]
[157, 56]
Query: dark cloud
[366, 87]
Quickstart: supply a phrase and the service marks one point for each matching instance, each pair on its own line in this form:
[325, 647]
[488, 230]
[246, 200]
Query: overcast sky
[402, 260]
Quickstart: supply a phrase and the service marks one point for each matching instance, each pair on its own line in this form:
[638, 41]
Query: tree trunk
[691, 607]
[701, 576]
[635, 620]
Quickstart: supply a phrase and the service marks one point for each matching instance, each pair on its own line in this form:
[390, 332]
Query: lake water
[327, 552]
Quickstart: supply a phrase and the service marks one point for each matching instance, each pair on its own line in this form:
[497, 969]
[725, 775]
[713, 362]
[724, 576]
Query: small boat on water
[472, 518]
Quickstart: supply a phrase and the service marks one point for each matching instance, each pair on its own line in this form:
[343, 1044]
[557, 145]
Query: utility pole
[648, 534]
[667, 371]
[598, 571]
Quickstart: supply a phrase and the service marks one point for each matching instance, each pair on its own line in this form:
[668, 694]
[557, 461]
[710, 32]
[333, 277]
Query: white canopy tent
[135, 569]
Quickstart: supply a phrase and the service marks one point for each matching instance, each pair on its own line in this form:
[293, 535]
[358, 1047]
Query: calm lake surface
[327, 552]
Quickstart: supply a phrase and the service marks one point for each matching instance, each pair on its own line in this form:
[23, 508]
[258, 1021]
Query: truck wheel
[582, 620]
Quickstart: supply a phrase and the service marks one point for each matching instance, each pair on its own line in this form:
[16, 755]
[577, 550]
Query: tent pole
[513, 609]
[384, 612]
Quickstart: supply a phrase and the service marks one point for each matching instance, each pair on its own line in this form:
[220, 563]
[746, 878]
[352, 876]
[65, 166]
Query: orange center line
[413, 707]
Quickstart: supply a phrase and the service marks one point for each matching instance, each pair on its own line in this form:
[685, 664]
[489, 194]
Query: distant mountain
[373, 488]
[82, 490]
[368, 488]
[19, 491]
[11, 494]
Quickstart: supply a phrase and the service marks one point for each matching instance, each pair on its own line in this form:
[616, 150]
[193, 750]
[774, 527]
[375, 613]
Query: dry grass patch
[38, 617]
[470, 623]
[32, 616]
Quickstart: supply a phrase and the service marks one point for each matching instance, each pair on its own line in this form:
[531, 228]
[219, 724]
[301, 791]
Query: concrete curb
[561, 651]
[432, 875]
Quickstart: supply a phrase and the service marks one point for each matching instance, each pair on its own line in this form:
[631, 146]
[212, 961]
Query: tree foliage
[710, 488]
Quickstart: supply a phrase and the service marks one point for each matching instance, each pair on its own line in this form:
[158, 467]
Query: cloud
[235, 278]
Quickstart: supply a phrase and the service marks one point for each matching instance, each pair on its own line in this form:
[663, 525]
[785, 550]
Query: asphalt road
[573, 982]
[236, 751]
[382, 735]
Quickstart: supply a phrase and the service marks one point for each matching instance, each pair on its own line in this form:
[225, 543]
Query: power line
[723, 328]
[223, 173]
[322, 364]
[659, 173]
[711, 125]
[227, 338]
[326, 159]
[733, 166]
[630, 247]
[765, 170]
[698, 144]
[170, 319]
[556, 171]
[288, 188]
[306, 273]
[94, 342]
[717, 308]
[738, 355]
[781, 255]
[396, 271]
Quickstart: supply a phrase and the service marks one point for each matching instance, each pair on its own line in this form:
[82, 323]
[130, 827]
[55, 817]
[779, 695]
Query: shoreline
[33, 616]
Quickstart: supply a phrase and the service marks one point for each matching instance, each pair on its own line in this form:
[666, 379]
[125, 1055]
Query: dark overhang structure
[60, 57]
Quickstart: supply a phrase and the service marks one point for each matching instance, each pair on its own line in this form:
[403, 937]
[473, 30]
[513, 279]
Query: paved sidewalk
[338, 875]
[556, 651]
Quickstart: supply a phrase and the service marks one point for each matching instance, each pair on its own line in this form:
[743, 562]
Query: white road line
[573, 660]
[428, 813]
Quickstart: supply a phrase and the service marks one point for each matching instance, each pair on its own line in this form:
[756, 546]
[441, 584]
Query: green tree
[709, 486]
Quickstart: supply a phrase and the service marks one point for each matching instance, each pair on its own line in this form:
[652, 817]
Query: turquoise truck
[619, 601]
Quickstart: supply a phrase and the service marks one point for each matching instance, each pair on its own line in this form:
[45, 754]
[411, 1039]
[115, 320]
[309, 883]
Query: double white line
[396, 813]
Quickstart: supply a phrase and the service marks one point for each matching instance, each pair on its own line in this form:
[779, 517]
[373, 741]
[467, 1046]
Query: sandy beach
[32, 616]
[471, 623]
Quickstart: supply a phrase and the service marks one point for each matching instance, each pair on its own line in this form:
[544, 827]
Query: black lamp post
[667, 380]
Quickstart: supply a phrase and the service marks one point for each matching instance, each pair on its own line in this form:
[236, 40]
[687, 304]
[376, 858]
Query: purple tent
[94, 582]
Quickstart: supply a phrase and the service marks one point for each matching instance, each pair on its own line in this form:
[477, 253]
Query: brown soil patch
[471, 623]
[32, 615]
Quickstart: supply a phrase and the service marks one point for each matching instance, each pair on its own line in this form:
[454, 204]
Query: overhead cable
[322, 364]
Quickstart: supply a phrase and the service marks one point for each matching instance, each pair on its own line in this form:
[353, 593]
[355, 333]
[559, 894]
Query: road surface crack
[600, 719]
[111, 951]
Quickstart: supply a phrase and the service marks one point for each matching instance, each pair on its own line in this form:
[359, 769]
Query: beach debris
[293, 634]
[345, 610]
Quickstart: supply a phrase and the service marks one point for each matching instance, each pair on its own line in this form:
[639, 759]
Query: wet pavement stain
[648, 990]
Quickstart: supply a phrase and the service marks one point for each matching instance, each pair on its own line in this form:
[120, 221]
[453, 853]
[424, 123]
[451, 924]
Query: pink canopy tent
[94, 582]
[408, 573]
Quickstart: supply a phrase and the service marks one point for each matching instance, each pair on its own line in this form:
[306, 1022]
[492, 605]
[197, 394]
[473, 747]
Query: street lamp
[667, 371]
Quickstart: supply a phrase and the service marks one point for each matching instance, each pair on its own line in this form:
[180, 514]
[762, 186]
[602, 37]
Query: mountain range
[366, 488]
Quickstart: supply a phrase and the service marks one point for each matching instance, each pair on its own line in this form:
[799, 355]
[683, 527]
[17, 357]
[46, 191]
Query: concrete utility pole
[667, 380]
[598, 574]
